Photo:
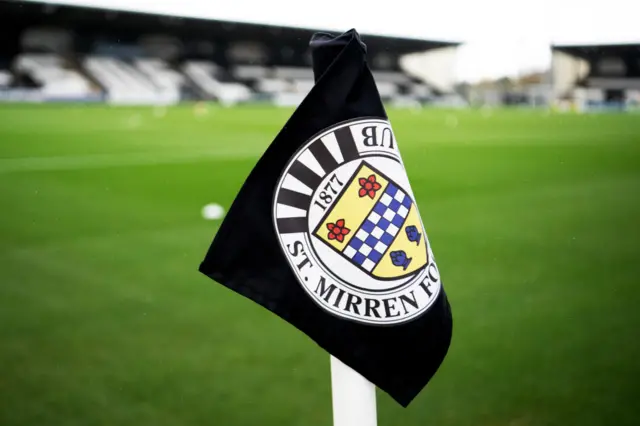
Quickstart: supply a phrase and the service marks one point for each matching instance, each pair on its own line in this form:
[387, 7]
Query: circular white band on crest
[348, 223]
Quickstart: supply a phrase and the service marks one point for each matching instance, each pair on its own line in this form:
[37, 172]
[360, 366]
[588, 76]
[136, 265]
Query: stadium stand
[53, 75]
[207, 76]
[391, 77]
[122, 82]
[420, 90]
[168, 82]
[6, 78]
[593, 77]
[250, 72]
[134, 58]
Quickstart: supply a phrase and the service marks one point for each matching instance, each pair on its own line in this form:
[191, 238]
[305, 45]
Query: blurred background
[128, 127]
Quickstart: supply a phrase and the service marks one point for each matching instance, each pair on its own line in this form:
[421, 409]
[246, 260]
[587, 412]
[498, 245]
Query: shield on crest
[375, 225]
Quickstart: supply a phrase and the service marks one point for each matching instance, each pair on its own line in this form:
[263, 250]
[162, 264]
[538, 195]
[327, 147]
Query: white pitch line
[79, 162]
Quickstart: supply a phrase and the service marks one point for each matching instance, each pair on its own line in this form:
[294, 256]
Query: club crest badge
[349, 225]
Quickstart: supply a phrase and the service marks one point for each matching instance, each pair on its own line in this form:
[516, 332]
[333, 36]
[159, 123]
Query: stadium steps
[54, 75]
[285, 86]
[207, 77]
[94, 83]
[6, 78]
[166, 80]
[189, 91]
[125, 84]
[193, 83]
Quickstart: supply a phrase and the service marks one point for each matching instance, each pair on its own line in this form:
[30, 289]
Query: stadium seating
[123, 83]
[167, 81]
[93, 54]
[288, 99]
[52, 73]
[421, 91]
[152, 80]
[293, 73]
[620, 83]
[250, 72]
[5, 78]
[633, 98]
[124, 73]
[273, 85]
[286, 85]
[391, 77]
[289, 85]
[204, 76]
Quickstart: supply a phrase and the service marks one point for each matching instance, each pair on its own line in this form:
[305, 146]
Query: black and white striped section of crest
[318, 158]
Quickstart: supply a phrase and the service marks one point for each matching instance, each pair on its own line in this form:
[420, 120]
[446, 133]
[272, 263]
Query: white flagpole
[354, 397]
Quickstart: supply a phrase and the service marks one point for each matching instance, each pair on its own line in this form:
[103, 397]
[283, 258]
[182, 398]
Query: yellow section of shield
[352, 208]
[416, 252]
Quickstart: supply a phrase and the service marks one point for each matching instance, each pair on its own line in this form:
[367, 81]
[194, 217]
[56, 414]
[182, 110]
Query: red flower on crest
[337, 230]
[368, 186]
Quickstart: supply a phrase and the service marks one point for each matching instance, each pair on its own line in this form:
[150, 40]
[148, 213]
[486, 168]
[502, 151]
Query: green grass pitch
[104, 320]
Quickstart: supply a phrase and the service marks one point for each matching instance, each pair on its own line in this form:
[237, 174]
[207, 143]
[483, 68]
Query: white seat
[421, 90]
[391, 77]
[54, 76]
[5, 78]
[620, 83]
[293, 73]
[273, 85]
[124, 83]
[250, 72]
[288, 99]
[168, 82]
[203, 74]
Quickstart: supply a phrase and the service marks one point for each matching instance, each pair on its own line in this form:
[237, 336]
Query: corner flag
[332, 239]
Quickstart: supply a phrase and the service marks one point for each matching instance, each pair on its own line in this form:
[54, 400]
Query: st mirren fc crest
[349, 225]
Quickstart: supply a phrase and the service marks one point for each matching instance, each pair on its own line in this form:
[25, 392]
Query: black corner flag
[332, 239]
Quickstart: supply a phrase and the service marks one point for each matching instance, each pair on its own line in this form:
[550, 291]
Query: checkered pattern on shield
[380, 228]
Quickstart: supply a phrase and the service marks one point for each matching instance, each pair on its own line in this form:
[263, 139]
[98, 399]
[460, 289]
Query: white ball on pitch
[212, 211]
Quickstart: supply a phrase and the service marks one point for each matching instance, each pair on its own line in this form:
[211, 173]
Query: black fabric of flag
[247, 257]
